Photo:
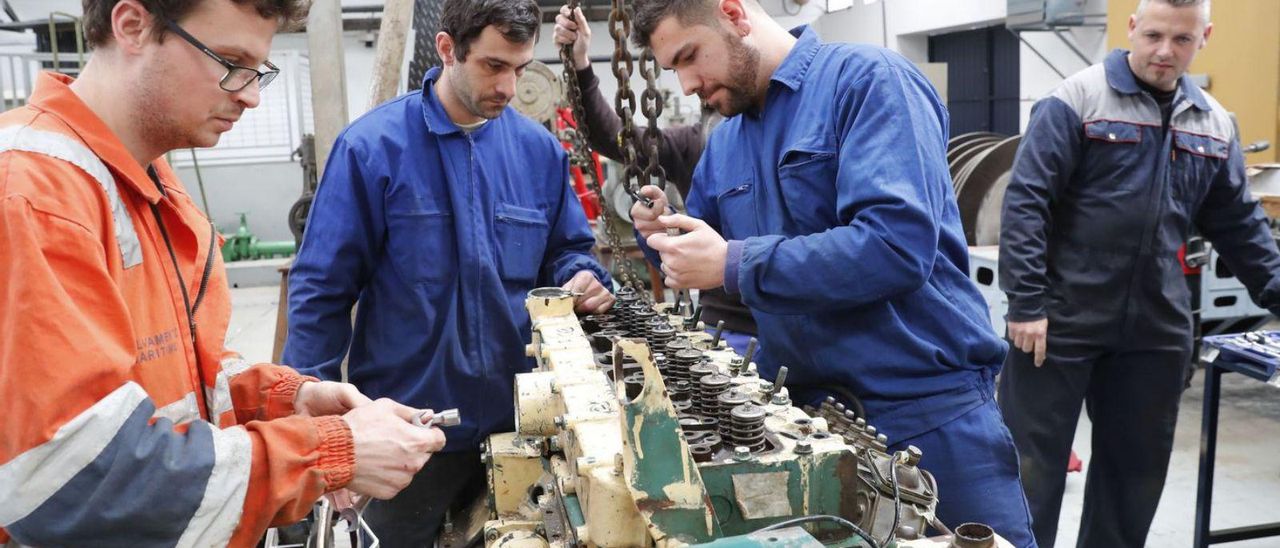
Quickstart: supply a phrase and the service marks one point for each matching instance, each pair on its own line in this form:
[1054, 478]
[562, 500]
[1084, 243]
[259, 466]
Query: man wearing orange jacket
[124, 421]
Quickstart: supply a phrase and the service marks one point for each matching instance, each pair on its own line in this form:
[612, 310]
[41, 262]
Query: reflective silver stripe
[223, 503]
[38, 473]
[234, 366]
[183, 410]
[219, 397]
[57, 145]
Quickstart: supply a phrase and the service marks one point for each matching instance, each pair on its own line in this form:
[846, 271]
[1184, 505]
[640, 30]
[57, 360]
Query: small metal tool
[637, 196]
[448, 417]
[354, 516]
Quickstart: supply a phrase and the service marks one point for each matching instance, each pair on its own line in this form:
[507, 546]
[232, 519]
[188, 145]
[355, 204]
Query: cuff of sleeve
[732, 258]
[337, 452]
[587, 79]
[1026, 310]
[284, 392]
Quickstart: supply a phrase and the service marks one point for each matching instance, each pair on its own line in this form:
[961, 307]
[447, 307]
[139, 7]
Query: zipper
[208, 271]
[188, 306]
[182, 284]
[482, 360]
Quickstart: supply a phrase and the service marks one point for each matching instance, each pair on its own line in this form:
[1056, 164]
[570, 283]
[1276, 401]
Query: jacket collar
[1120, 77]
[795, 66]
[53, 94]
[437, 119]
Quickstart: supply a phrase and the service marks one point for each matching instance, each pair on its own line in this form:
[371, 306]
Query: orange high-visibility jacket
[123, 420]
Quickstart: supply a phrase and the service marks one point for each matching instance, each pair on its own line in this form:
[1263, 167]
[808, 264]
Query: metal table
[1214, 368]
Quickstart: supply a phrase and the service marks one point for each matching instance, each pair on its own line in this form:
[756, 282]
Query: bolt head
[913, 455]
[741, 453]
[803, 447]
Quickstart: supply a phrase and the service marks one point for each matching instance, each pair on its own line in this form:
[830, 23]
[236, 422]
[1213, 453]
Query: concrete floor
[1248, 478]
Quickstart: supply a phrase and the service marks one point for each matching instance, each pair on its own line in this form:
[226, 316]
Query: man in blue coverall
[439, 211]
[829, 181]
[1116, 166]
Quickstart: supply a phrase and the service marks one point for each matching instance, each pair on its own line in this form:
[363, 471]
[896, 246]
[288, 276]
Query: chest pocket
[1197, 159]
[737, 207]
[808, 182]
[421, 246]
[522, 239]
[1114, 157]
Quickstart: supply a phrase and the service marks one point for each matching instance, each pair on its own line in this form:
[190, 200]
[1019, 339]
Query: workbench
[1219, 359]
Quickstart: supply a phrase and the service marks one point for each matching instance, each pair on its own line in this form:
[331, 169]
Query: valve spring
[639, 326]
[681, 398]
[659, 334]
[602, 341]
[675, 345]
[625, 306]
[710, 388]
[746, 427]
[728, 400]
[680, 392]
[591, 324]
[634, 383]
[660, 361]
[696, 372]
[681, 361]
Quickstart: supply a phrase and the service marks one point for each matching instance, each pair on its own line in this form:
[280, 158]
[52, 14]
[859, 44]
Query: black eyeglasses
[237, 77]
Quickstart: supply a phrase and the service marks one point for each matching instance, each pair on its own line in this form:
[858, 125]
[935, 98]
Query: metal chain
[581, 156]
[651, 105]
[624, 101]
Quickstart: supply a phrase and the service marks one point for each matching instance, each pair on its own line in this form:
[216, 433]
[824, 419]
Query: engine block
[637, 428]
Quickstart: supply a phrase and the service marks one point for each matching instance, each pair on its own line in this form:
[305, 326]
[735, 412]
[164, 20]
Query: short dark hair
[1202, 4]
[647, 14]
[97, 15]
[519, 21]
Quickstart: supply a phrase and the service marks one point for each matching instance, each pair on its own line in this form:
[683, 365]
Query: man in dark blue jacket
[439, 211]
[829, 182]
[1115, 167]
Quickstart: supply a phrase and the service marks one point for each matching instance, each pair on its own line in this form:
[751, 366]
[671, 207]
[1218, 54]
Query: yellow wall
[1242, 60]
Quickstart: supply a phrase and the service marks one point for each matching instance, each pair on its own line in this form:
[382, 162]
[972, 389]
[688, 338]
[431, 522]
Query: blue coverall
[439, 234]
[845, 242]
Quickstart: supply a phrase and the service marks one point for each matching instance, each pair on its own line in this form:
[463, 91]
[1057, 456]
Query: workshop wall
[905, 26]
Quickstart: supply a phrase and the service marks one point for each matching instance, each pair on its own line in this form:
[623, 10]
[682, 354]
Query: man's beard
[461, 84]
[744, 65]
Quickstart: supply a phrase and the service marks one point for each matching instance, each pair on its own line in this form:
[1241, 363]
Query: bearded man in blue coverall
[829, 181]
[1116, 166]
[439, 211]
